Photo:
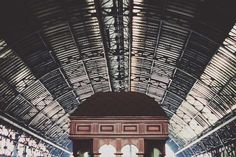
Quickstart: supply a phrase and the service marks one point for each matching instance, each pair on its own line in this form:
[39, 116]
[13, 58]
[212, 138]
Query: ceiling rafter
[206, 134]
[42, 111]
[179, 60]
[218, 93]
[60, 68]
[68, 51]
[154, 54]
[9, 85]
[79, 51]
[177, 68]
[130, 38]
[104, 45]
[39, 112]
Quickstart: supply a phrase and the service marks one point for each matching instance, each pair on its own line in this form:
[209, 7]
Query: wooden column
[118, 147]
[96, 147]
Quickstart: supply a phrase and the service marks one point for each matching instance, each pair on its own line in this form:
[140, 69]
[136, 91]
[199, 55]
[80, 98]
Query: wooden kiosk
[118, 121]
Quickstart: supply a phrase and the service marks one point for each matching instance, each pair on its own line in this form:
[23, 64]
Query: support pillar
[118, 148]
[82, 146]
[163, 149]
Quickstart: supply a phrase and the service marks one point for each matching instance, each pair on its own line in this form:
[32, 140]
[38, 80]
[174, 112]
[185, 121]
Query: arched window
[129, 151]
[86, 154]
[156, 152]
[107, 151]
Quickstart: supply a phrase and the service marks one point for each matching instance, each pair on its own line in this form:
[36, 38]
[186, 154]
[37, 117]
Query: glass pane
[129, 151]
[107, 151]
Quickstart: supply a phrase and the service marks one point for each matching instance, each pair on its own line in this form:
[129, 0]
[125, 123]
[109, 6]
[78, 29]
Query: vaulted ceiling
[55, 54]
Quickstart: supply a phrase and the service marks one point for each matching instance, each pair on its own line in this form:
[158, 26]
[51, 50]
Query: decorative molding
[153, 128]
[106, 128]
[119, 128]
[83, 128]
[130, 128]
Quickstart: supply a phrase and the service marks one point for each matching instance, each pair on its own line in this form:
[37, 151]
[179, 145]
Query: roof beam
[154, 54]
[217, 94]
[9, 85]
[185, 46]
[131, 5]
[80, 54]
[207, 134]
[102, 32]
[174, 67]
[17, 94]
[179, 60]
[54, 124]
[42, 111]
[60, 68]
[33, 134]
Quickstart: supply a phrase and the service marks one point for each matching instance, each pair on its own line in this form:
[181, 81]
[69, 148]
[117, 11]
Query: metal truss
[168, 50]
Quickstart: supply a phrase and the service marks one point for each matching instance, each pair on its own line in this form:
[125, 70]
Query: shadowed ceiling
[54, 54]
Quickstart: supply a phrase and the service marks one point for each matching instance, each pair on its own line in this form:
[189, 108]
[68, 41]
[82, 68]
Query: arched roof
[55, 54]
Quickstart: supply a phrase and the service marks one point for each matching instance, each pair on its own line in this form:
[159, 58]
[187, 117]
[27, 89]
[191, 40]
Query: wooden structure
[125, 119]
